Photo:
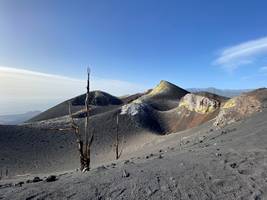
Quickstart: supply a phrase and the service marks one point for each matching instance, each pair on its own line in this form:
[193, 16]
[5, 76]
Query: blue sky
[204, 43]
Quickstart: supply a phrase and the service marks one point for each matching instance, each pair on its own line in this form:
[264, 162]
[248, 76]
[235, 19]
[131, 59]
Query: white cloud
[23, 90]
[263, 69]
[244, 53]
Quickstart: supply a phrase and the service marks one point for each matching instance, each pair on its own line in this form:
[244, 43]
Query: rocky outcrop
[236, 109]
[134, 108]
[199, 104]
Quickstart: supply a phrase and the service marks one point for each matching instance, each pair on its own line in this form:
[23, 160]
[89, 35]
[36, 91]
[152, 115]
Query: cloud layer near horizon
[23, 90]
[241, 54]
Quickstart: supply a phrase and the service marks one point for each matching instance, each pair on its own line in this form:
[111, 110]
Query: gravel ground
[200, 163]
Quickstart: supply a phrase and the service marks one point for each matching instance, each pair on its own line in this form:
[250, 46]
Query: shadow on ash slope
[199, 163]
[142, 117]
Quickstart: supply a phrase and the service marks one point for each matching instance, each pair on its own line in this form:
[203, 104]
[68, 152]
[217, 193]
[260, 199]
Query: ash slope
[140, 121]
[207, 156]
[198, 163]
[44, 137]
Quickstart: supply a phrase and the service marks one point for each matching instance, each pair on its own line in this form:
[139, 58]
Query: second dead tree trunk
[117, 141]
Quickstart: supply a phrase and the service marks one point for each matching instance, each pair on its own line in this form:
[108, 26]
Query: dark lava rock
[126, 161]
[160, 156]
[29, 181]
[19, 184]
[36, 179]
[233, 165]
[218, 154]
[51, 178]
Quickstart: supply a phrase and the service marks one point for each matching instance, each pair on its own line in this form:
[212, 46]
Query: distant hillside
[17, 118]
[97, 99]
[221, 92]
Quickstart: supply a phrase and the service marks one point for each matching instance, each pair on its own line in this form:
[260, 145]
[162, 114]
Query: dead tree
[79, 141]
[89, 137]
[84, 143]
[117, 142]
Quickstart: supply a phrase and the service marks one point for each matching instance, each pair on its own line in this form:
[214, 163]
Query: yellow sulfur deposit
[161, 87]
[198, 104]
[229, 104]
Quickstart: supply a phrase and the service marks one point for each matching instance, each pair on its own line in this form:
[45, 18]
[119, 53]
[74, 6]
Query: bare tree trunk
[79, 141]
[84, 143]
[117, 137]
[88, 137]
[117, 140]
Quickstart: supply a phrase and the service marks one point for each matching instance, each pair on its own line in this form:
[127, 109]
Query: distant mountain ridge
[221, 92]
[17, 118]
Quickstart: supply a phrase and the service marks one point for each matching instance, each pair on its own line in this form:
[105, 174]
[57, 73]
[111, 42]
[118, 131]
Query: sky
[130, 45]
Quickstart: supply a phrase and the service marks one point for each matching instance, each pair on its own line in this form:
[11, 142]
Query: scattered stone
[6, 185]
[233, 165]
[125, 174]
[160, 156]
[218, 154]
[160, 150]
[36, 179]
[251, 178]
[257, 195]
[19, 184]
[126, 161]
[51, 178]
[29, 181]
